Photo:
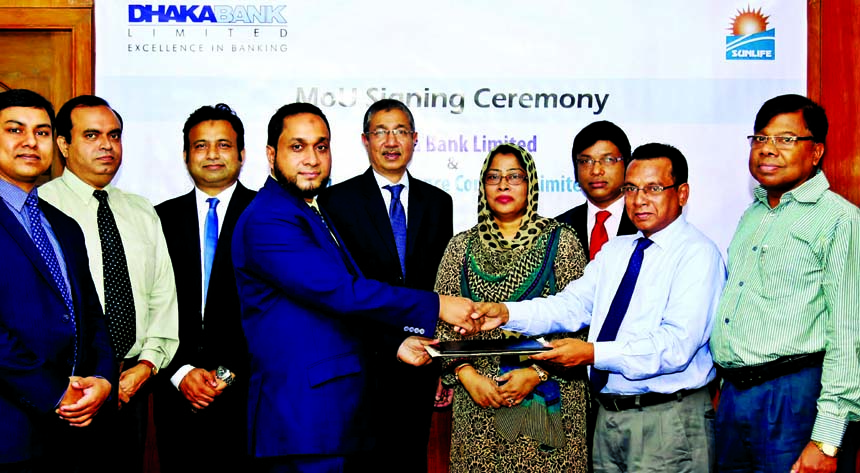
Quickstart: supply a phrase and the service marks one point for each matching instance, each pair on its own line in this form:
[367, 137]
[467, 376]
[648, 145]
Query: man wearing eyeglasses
[600, 152]
[648, 341]
[787, 335]
[396, 227]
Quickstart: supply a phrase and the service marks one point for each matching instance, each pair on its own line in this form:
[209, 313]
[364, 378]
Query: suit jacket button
[66, 318]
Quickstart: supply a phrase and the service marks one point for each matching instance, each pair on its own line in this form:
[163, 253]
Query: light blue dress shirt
[662, 344]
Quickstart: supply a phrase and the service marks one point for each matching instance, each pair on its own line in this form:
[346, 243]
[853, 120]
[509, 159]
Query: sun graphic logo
[750, 39]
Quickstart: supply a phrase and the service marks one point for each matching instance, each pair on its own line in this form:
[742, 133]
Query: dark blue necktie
[119, 300]
[618, 308]
[397, 215]
[40, 238]
[210, 243]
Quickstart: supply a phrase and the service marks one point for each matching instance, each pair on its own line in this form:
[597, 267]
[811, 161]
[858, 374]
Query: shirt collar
[808, 192]
[80, 188]
[666, 236]
[223, 196]
[615, 209]
[382, 181]
[13, 195]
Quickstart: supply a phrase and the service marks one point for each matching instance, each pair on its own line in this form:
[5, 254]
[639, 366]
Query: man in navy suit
[56, 366]
[601, 152]
[360, 209]
[305, 306]
[200, 404]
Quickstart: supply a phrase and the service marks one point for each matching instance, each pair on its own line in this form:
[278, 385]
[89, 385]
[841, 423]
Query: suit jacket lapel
[22, 238]
[417, 206]
[377, 214]
[191, 239]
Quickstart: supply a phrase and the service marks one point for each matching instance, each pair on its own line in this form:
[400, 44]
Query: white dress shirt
[149, 267]
[382, 181]
[662, 344]
[615, 209]
[200, 198]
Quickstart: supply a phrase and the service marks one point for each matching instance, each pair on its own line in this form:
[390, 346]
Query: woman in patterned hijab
[506, 418]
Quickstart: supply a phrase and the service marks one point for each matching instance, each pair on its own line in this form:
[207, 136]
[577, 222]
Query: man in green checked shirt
[787, 331]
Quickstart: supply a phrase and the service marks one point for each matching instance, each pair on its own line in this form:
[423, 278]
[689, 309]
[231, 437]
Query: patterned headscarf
[532, 223]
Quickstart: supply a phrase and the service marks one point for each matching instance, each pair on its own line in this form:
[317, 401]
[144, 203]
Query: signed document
[467, 348]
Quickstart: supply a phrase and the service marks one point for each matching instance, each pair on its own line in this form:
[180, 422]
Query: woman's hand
[517, 384]
[484, 391]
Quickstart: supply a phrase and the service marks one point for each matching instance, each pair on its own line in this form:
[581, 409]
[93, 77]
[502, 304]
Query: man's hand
[484, 391]
[490, 315]
[517, 385]
[131, 380]
[568, 352]
[200, 387]
[458, 311]
[412, 351]
[813, 461]
[82, 400]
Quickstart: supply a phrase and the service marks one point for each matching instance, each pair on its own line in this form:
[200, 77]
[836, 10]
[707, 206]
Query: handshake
[466, 316]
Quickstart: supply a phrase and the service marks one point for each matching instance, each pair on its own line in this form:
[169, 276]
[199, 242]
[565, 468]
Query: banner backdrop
[691, 74]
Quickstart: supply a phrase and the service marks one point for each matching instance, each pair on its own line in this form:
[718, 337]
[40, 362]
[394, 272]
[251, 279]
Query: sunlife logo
[750, 39]
[227, 14]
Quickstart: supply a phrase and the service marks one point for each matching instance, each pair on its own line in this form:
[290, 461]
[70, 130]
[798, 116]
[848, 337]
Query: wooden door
[47, 46]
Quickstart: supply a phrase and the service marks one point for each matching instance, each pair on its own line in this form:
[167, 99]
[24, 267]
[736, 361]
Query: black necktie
[618, 308]
[119, 301]
[341, 251]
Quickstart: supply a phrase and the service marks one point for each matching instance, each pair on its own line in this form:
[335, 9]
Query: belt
[749, 376]
[615, 402]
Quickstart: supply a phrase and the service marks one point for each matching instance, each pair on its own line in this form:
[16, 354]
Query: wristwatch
[827, 449]
[225, 375]
[542, 374]
[152, 369]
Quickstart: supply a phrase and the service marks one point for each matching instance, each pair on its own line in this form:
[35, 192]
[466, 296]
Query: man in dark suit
[305, 306]
[200, 420]
[361, 209]
[56, 366]
[600, 153]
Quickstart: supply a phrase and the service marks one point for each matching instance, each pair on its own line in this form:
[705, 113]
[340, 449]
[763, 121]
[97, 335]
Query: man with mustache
[307, 309]
[787, 334]
[364, 211]
[129, 263]
[200, 400]
[649, 300]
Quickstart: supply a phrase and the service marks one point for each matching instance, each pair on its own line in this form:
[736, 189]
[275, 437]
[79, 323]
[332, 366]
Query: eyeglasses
[383, 134]
[781, 142]
[514, 179]
[607, 161]
[648, 190]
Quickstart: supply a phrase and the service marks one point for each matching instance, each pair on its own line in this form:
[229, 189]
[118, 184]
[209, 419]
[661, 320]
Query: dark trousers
[404, 397]
[303, 464]
[211, 439]
[764, 428]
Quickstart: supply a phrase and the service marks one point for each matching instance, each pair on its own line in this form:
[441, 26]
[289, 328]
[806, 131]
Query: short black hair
[813, 114]
[600, 131]
[660, 150]
[276, 123]
[207, 113]
[26, 98]
[385, 105]
[64, 116]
